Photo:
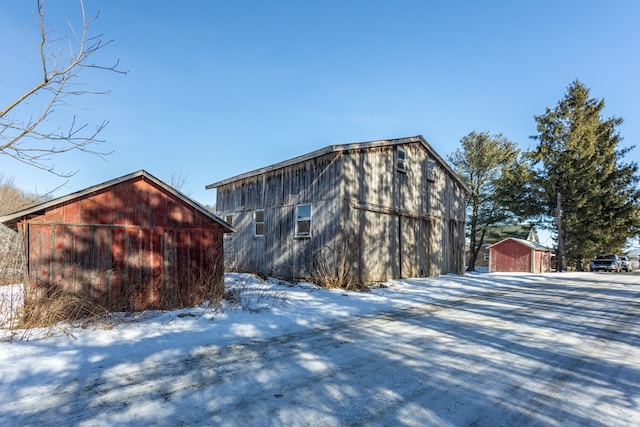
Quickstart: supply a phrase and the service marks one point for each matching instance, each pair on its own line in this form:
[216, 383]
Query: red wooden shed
[518, 255]
[132, 243]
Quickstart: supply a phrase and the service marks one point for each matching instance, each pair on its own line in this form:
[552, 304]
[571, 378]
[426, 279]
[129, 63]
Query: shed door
[511, 256]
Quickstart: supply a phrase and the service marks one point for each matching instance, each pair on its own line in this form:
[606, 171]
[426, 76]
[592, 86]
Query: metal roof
[340, 148]
[529, 243]
[12, 219]
[497, 233]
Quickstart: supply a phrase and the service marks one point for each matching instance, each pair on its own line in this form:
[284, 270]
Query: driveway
[561, 352]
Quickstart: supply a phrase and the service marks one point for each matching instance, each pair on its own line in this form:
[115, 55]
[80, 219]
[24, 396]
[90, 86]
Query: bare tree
[12, 198]
[12, 260]
[33, 140]
[176, 180]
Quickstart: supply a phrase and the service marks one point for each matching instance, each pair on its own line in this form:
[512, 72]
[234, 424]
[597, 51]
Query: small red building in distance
[132, 243]
[518, 255]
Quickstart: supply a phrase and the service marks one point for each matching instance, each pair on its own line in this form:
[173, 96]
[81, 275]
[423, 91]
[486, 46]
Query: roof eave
[532, 245]
[312, 155]
[14, 218]
[341, 148]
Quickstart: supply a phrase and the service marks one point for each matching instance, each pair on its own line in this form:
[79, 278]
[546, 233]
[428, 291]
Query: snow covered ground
[484, 349]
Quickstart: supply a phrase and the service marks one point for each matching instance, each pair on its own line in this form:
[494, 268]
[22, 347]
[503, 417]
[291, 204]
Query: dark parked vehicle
[625, 264]
[608, 262]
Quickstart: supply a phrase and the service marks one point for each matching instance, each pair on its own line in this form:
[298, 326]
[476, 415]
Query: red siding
[510, 256]
[542, 261]
[514, 256]
[132, 246]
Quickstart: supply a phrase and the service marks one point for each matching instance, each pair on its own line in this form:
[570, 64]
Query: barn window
[431, 170]
[258, 220]
[229, 220]
[303, 220]
[401, 159]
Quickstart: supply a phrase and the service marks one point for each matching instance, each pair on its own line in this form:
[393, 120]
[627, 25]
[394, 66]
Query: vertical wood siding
[405, 225]
[132, 246]
[511, 256]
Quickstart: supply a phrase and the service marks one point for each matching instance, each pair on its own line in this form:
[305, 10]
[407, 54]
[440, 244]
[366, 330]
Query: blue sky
[217, 88]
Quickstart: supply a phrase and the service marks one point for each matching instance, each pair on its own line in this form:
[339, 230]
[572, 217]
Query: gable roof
[341, 148]
[519, 231]
[532, 245]
[12, 219]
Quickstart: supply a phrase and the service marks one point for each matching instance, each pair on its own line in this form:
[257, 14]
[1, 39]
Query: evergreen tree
[579, 177]
[480, 163]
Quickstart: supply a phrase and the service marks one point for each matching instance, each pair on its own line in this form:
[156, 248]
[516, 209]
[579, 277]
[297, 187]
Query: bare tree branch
[177, 180]
[32, 141]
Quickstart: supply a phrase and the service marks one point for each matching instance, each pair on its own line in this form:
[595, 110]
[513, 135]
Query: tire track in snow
[547, 384]
[123, 388]
[418, 347]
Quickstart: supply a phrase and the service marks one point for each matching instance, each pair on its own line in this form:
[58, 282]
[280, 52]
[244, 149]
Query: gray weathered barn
[369, 211]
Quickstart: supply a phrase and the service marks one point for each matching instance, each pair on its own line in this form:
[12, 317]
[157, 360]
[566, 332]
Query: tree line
[575, 181]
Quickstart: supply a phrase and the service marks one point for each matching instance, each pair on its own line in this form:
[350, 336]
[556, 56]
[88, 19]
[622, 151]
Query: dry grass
[11, 302]
[334, 264]
[60, 306]
[22, 320]
[254, 297]
[12, 259]
[202, 284]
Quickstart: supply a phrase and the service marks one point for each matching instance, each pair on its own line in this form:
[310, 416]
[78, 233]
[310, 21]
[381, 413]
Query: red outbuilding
[132, 243]
[518, 255]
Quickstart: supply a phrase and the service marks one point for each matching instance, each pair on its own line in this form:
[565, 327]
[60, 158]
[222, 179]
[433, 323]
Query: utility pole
[560, 255]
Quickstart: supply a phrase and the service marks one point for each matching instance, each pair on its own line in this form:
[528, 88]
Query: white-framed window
[431, 170]
[303, 220]
[401, 159]
[229, 220]
[486, 257]
[258, 223]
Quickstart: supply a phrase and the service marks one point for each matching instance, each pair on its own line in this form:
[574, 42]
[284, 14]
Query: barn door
[39, 253]
[408, 241]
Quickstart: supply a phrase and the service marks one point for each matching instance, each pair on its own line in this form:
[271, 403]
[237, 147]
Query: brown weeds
[60, 306]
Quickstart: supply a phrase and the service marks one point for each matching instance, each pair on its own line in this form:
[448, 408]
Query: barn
[132, 243]
[361, 212]
[519, 255]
